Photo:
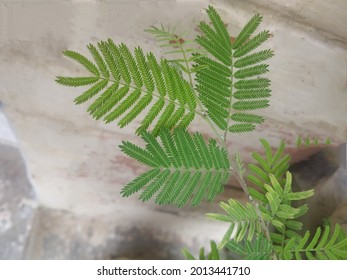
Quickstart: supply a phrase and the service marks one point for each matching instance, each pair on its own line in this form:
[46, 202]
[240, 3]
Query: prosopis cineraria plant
[221, 81]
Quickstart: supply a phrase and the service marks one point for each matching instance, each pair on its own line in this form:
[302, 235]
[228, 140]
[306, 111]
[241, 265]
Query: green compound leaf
[216, 79]
[184, 168]
[324, 245]
[127, 83]
[243, 219]
[259, 248]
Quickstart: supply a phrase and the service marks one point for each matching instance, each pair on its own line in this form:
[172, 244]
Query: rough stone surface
[331, 194]
[340, 216]
[152, 235]
[62, 235]
[17, 204]
[317, 167]
[324, 172]
[139, 233]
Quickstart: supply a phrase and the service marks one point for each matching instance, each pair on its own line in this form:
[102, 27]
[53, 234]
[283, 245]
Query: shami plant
[221, 80]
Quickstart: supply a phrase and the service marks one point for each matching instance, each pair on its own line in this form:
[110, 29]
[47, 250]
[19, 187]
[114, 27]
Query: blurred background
[61, 172]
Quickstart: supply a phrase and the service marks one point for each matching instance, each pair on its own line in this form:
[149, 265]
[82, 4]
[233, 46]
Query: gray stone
[317, 167]
[63, 235]
[331, 195]
[340, 216]
[324, 172]
[17, 204]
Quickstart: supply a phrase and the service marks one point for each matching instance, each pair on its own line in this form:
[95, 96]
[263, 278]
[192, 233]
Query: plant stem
[244, 187]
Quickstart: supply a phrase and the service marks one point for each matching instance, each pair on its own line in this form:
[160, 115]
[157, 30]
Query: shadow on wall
[62, 235]
[147, 244]
[326, 173]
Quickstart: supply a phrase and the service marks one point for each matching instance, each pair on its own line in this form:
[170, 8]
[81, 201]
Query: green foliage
[273, 163]
[260, 248]
[309, 142]
[279, 198]
[243, 219]
[127, 83]
[324, 245]
[212, 255]
[184, 166]
[245, 235]
[223, 85]
[228, 72]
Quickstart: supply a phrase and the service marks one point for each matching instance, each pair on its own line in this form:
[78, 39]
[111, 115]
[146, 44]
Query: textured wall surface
[74, 162]
[17, 197]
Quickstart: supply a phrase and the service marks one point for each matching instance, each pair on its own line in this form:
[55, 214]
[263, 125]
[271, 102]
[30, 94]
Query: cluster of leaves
[307, 141]
[274, 199]
[222, 81]
[127, 83]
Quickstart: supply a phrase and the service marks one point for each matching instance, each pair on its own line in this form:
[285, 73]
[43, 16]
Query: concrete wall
[74, 162]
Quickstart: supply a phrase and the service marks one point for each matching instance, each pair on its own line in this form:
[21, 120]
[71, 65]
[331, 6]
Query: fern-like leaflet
[243, 219]
[324, 245]
[273, 163]
[183, 166]
[281, 214]
[126, 84]
[260, 248]
[228, 74]
[212, 255]
[308, 142]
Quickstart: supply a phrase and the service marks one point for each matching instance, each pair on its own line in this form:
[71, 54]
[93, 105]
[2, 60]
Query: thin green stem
[187, 67]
